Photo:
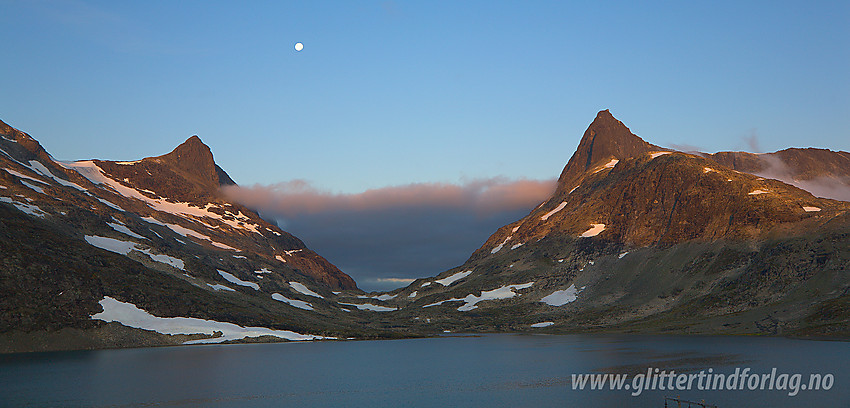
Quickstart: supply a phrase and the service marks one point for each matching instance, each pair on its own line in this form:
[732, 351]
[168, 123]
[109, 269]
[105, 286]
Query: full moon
[299, 46]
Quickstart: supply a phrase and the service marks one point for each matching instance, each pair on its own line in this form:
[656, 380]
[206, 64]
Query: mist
[385, 237]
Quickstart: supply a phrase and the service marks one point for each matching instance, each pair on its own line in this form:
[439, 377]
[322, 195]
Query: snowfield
[131, 316]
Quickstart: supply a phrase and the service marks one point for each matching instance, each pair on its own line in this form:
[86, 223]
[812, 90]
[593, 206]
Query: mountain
[636, 238]
[101, 253]
[639, 238]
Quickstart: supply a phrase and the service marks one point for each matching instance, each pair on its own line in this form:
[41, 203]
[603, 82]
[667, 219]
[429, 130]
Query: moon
[299, 46]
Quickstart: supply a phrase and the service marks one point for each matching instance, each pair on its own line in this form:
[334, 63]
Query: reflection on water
[481, 371]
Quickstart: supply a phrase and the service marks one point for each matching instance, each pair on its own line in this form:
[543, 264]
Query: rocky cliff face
[642, 238]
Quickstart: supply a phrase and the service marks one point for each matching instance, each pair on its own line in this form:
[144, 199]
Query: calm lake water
[501, 370]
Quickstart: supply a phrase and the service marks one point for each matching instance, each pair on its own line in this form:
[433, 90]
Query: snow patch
[300, 288]
[153, 220]
[384, 297]
[609, 165]
[124, 230]
[124, 248]
[109, 204]
[111, 244]
[593, 231]
[504, 292]
[130, 315]
[757, 192]
[811, 209]
[517, 245]
[425, 284]
[498, 248]
[33, 187]
[453, 278]
[40, 168]
[292, 302]
[370, 307]
[562, 297]
[23, 176]
[218, 287]
[623, 254]
[232, 279]
[551, 213]
[656, 154]
[224, 246]
[707, 170]
[186, 232]
[542, 324]
[412, 295]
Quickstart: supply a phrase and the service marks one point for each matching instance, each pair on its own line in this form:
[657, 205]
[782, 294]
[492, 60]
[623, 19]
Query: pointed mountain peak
[195, 159]
[193, 146]
[606, 137]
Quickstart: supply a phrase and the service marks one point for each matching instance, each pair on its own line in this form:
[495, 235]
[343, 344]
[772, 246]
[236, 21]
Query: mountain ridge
[640, 238]
[157, 235]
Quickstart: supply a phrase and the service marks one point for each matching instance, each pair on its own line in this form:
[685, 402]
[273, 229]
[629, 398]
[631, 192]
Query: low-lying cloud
[383, 237]
[826, 187]
[484, 196]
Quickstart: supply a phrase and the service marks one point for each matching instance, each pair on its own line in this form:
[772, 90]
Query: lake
[497, 370]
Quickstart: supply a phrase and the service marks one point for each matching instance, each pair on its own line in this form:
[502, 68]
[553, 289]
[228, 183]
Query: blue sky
[387, 93]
